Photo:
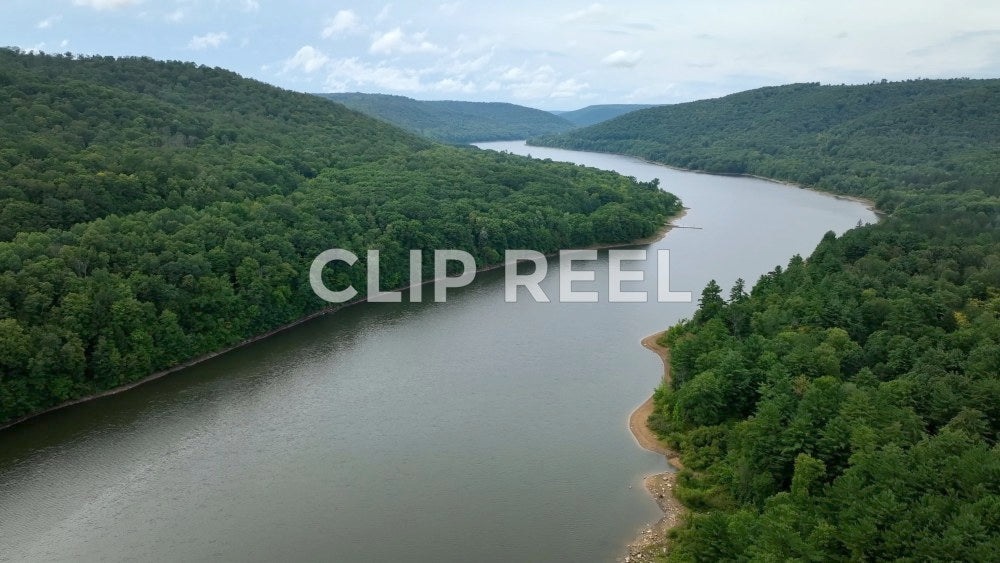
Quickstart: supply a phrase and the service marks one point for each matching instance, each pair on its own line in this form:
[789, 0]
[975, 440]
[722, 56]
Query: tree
[711, 303]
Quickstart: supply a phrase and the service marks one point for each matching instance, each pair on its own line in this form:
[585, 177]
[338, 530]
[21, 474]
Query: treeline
[455, 121]
[848, 406]
[887, 141]
[169, 210]
[86, 137]
[590, 115]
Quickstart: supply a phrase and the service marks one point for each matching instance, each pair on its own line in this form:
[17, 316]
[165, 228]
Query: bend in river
[472, 429]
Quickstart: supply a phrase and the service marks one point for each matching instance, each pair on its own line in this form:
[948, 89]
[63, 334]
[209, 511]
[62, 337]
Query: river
[468, 430]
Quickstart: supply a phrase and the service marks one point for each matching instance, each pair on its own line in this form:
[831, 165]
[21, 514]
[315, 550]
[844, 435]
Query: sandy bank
[651, 541]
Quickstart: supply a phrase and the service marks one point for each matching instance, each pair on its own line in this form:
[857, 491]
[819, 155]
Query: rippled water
[467, 430]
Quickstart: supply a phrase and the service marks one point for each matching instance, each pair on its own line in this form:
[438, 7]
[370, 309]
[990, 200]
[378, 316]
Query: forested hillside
[597, 113]
[877, 140]
[848, 406]
[153, 212]
[453, 121]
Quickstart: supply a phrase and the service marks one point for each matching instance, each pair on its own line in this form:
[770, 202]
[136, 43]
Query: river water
[468, 430]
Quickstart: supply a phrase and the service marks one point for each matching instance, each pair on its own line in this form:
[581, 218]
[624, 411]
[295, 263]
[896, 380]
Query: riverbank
[869, 204]
[651, 542]
[315, 315]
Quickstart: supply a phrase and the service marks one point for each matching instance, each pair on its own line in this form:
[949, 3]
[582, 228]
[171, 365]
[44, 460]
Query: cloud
[344, 21]
[398, 41]
[351, 73]
[568, 89]
[47, 22]
[251, 5]
[594, 12]
[212, 40]
[383, 14]
[308, 59]
[34, 49]
[623, 59]
[105, 4]
[453, 85]
[175, 16]
[463, 67]
[449, 8]
[647, 92]
[525, 83]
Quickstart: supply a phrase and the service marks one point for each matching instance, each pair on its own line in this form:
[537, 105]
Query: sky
[552, 55]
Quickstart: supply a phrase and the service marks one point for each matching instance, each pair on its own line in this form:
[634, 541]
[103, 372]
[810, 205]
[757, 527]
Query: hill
[845, 408]
[835, 137]
[154, 212]
[597, 113]
[455, 122]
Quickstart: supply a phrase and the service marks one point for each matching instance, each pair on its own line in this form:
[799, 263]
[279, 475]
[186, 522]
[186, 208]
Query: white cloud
[308, 59]
[525, 83]
[47, 22]
[64, 43]
[702, 50]
[568, 88]
[388, 41]
[661, 91]
[34, 49]
[514, 73]
[449, 8]
[623, 59]
[105, 4]
[453, 85]
[175, 16]
[212, 40]
[398, 41]
[594, 12]
[353, 74]
[463, 67]
[344, 21]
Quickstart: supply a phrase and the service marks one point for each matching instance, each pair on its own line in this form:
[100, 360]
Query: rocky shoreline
[652, 540]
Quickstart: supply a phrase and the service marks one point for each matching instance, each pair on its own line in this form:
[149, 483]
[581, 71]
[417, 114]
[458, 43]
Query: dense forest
[153, 212]
[597, 113]
[454, 121]
[885, 141]
[847, 407]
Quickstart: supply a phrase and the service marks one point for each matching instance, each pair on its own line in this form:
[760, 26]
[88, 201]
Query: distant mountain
[453, 121]
[595, 114]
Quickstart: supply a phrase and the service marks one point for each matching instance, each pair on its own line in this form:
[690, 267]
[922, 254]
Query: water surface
[468, 430]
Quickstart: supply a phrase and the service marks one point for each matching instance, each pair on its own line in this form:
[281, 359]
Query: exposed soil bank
[651, 542]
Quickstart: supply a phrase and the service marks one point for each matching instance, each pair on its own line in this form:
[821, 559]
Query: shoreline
[667, 226]
[869, 204]
[651, 542]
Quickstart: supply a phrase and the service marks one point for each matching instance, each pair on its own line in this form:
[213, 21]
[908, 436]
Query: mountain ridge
[593, 114]
[454, 121]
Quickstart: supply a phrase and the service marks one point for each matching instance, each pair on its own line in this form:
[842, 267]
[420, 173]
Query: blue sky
[551, 55]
